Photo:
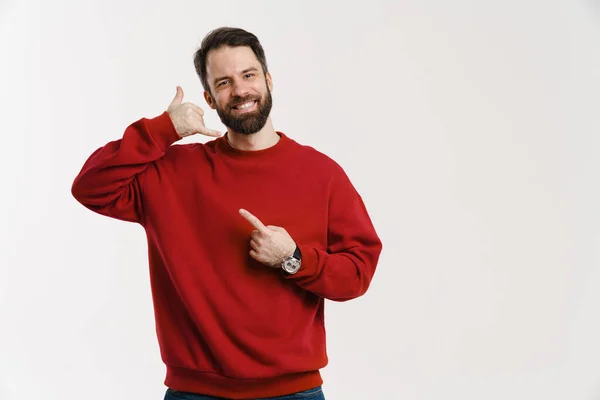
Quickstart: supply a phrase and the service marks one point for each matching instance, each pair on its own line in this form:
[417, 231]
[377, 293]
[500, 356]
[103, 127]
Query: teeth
[245, 105]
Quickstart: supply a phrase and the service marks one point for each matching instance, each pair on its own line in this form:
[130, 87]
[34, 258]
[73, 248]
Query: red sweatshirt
[227, 325]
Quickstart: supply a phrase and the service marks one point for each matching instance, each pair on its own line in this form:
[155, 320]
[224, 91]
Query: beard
[247, 123]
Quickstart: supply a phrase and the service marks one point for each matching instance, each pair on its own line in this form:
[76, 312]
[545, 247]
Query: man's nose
[240, 89]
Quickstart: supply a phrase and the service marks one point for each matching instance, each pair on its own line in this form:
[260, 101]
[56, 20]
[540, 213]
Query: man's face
[241, 93]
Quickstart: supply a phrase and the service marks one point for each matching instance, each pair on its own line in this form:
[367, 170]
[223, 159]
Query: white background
[471, 128]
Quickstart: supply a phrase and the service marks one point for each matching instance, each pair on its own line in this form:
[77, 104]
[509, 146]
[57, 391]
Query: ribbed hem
[309, 266]
[187, 380]
[162, 130]
[279, 149]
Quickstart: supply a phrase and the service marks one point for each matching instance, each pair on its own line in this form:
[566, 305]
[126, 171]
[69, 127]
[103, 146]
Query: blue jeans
[310, 394]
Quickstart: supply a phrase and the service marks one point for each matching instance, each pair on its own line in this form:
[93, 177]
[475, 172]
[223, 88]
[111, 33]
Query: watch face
[291, 265]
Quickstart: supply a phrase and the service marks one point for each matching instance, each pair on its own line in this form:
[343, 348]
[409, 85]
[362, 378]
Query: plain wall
[470, 128]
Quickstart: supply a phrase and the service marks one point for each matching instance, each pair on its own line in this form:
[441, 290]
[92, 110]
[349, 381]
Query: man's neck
[260, 140]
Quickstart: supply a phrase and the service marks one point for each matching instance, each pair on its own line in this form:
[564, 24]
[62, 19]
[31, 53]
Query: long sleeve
[108, 182]
[344, 270]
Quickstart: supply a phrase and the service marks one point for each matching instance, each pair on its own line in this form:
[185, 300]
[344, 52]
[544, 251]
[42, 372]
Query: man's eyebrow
[243, 72]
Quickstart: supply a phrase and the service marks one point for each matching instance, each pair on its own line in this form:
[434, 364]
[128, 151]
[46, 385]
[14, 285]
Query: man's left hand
[270, 244]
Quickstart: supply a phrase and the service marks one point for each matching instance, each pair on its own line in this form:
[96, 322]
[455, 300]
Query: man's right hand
[188, 118]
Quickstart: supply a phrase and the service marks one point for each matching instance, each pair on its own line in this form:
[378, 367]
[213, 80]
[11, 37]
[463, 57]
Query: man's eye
[222, 83]
[249, 75]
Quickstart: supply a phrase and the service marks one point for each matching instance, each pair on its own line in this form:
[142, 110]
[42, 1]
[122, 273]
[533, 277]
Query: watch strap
[297, 254]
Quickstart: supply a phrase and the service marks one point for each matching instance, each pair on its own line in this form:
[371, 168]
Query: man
[248, 234]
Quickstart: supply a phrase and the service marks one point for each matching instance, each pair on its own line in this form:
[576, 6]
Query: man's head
[233, 70]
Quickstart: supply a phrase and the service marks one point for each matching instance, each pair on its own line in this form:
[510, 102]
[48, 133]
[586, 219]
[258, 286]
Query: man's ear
[209, 100]
[269, 81]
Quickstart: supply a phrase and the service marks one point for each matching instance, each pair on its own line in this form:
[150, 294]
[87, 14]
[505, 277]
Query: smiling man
[248, 234]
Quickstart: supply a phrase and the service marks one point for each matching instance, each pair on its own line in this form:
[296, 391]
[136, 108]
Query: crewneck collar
[282, 144]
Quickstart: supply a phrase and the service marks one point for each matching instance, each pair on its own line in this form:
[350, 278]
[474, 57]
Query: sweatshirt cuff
[309, 266]
[162, 131]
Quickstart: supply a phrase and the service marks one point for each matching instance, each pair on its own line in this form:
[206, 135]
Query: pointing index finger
[255, 222]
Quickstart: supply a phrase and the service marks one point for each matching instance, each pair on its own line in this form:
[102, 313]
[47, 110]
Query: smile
[245, 106]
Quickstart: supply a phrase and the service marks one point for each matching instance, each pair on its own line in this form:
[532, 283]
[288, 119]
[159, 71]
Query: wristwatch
[292, 264]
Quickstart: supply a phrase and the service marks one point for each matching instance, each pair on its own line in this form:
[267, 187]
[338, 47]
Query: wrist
[162, 131]
[292, 263]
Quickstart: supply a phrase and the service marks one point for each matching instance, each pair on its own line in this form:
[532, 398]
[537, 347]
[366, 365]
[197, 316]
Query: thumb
[178, 97]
